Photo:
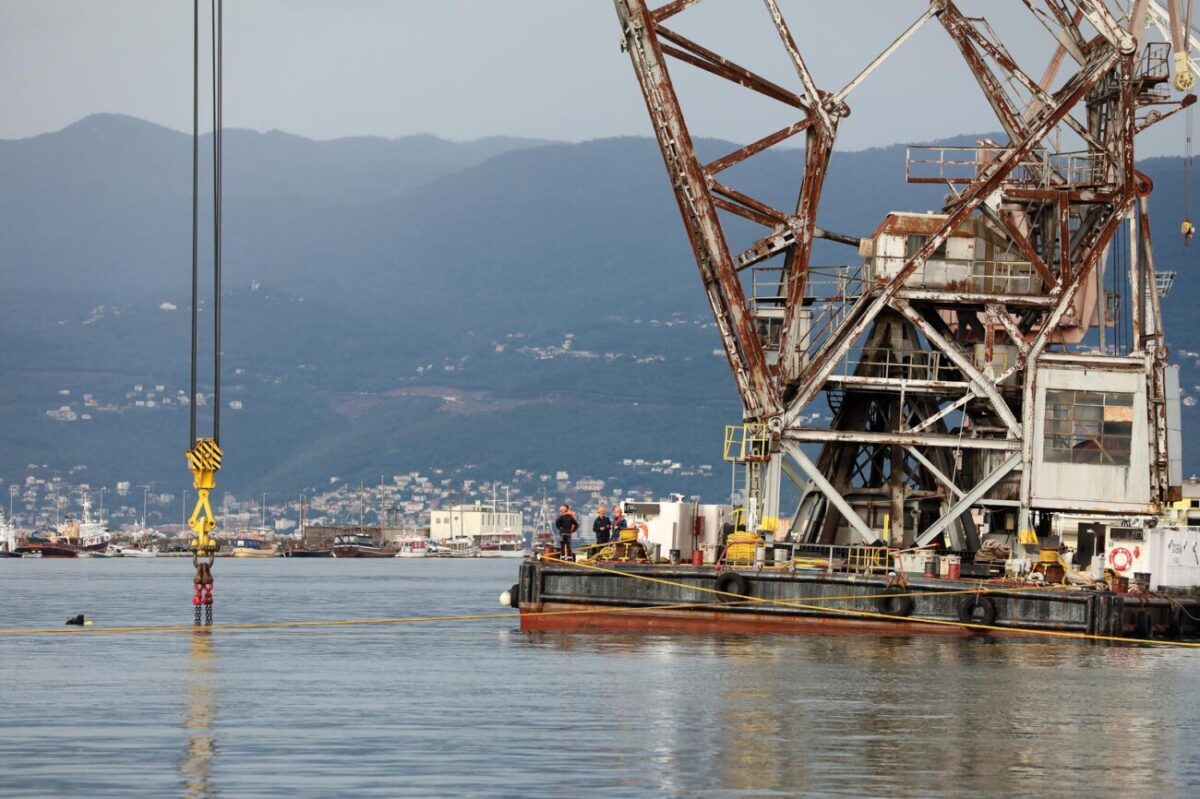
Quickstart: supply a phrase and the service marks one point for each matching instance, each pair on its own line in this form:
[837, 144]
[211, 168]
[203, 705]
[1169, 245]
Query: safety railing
[1040, 169]
[1155, 64]
[899, 365]
[829, 293]
[747, 443]
[1164, 280]
[840, 557]
[824, 284]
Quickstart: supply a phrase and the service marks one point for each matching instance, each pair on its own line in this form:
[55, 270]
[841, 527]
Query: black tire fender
[895, 602]
[1143, 624]
[1176, 619]
[984, 604]
[514, 596]
[731, 583]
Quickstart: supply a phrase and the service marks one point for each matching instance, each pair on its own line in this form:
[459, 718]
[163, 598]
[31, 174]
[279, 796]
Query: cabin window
[1088, 427]
[770, 331]
[915, 242]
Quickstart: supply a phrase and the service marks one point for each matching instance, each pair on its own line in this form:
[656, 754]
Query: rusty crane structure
[965, 361]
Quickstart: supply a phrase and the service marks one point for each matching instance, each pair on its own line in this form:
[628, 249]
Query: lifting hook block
[204, 459]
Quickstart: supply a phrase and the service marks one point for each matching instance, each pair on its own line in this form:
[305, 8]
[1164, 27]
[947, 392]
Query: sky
[465, 69]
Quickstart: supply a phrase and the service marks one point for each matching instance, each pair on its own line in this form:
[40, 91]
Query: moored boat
[413, 547]
[301, 552]
[252, 548]
[502, 545]
[129, 551]
[46, 551]
[358, 546]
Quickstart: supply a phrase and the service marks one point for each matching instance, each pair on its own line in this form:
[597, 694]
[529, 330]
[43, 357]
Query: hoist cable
[1187, 163]
[195, 210]
[217, 14]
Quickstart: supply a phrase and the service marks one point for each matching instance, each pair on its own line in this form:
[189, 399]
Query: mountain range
[395, 304]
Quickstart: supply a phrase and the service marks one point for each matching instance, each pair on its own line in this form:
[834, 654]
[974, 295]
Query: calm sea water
[480, 708]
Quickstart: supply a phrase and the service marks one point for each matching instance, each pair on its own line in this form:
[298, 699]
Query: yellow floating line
[296, 625]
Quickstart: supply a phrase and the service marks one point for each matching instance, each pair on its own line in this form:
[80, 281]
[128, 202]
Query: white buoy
[506, 599]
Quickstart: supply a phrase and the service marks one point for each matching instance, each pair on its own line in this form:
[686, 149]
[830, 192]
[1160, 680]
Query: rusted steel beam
[1027, 249]
[960, 31]
[1064, 237]
[1040, 93]
[969, 298]
[763, 213]
[768, 246]
[944, 412]
[939, 388]
[954, 352]
[760, 398]
[668, 10]
[1154, 117]
[1069, 42]
[963, 505]
[1015, 334]
[823, 118]
[700, 56]
[1051, 195]
[738, 209]
[754, 148]
[797, 261]
[935, 8]
[1156, 363]
[901, 439]
[1102, 19]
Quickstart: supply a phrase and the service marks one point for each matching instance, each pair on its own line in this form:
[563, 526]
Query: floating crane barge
[1003, 450]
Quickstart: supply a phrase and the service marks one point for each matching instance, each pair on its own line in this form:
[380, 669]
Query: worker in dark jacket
[619, 523]
[602, 527]
[566, 524]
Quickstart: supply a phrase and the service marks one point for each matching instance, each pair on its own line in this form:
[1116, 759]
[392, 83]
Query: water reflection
[196, 766]
[860, 715]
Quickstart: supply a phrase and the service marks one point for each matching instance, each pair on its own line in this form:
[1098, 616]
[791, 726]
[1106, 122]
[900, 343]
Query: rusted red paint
[555, 616]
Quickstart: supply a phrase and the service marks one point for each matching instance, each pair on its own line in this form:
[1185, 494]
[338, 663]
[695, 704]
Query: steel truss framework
[890, 449]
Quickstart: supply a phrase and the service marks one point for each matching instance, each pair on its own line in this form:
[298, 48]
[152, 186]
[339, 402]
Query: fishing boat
[460, 546]
[416, 546]
[38, 550]
[502, 545]
[252, 546]
[302, 552]
[358, 545]
[130, 551]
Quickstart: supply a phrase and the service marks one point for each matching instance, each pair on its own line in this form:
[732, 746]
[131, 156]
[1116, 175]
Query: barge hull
[555, 595]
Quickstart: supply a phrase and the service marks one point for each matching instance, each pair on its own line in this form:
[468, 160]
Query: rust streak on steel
[742, 210]
[760, 208]
[669, 10]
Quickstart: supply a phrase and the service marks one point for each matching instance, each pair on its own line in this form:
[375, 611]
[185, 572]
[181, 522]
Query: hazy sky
[463, 69]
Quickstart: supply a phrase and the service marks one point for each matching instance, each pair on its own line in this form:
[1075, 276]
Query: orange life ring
[645, 528]
[1125, 557]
